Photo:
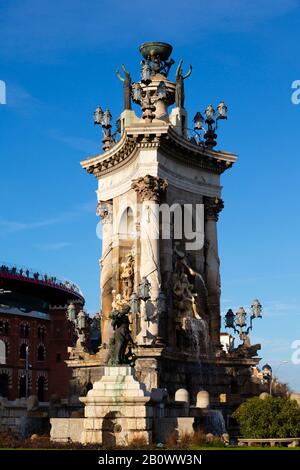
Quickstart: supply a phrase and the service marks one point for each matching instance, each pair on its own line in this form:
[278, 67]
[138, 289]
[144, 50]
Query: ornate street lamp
[103, 119]
[238, 321]
[144, 289]
[81, 320]
[256, 309]
[198, 122]
[229, 319]
[134, 304]
[98, 116]
[71, 312]
[267, 374]
[222, 110]
[241, 316]
[211, 121]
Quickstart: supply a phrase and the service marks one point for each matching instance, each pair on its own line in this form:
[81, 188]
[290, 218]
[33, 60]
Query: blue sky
[58, 59]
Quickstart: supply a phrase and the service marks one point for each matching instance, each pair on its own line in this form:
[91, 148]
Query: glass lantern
[71, 312]
[98, 115]
[210, 113]
[241, 317]
[81, 320]
[229, 319]
[106, 118]
[134, 304]
[222, 110]
[144, 289]
[198, 121]
[256, 309]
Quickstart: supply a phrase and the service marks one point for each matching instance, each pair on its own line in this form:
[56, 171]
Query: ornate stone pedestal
[116, 409]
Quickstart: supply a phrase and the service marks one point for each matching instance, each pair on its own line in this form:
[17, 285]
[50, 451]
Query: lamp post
[80, 323]
[238, 321]
[273, 376]
[27, 365]
[211, 121]
[103, 119]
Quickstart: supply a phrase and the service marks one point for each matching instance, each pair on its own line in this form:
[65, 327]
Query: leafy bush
[271, 417]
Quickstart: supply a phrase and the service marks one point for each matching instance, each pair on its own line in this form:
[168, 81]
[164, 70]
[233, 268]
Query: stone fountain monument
[159, 199]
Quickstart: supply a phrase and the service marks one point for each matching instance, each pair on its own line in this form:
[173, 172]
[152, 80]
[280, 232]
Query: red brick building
[34, 333]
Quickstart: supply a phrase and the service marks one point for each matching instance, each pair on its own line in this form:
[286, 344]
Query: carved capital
[149, 188]
[213, 206]
[105, 211]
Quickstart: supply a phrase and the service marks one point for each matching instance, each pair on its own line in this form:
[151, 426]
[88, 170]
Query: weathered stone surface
[66, 429]
[116, 409]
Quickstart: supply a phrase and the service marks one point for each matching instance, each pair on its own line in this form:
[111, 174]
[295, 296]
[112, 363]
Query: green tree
[271, 417]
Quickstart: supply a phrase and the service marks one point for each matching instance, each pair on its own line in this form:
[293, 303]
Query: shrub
[271, 417]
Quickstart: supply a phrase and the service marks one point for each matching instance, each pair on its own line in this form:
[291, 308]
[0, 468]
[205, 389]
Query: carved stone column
[212, 266]
[105, 211]
[150, 190]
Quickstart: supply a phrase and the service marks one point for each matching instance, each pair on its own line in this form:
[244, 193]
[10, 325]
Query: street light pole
[27, 372]
[273, 375]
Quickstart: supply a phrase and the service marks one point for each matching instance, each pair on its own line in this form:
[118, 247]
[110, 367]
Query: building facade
[34, 333]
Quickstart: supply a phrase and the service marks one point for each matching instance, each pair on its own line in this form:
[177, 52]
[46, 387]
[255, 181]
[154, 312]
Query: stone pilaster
[213, 207]
[150, 190]
[105, 211]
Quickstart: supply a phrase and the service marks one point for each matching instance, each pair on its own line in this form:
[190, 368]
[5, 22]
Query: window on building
[23, 351]
[41, 332]
[41, 388]
[24, 330]
[4, 327]
[22, 387]
[3, 352]
[4, 385]
[41, 353]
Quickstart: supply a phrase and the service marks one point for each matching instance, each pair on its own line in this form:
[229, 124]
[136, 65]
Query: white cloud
[11, 226]
[55, 246]
[78, 143]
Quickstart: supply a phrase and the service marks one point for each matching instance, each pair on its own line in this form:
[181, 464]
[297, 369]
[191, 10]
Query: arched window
[41, 332]
[24, 330]
[126, 225]
[4, 383]
[4, 327]
[22, 385]
[41, 353]
[3, 352]
[41, 388]
[23, 349]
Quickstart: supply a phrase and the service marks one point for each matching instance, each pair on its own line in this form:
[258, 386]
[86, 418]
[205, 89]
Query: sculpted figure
[179, 90]
[127, 86]
[127, 277]
[122, 337]
[117, 302]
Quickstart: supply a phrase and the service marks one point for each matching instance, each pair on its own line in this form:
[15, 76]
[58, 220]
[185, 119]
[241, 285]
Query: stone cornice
[163, 137]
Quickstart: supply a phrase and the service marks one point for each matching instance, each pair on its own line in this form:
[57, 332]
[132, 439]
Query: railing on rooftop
[34, 275]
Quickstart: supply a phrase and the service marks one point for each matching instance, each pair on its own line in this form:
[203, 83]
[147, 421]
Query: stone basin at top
[156, 48]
